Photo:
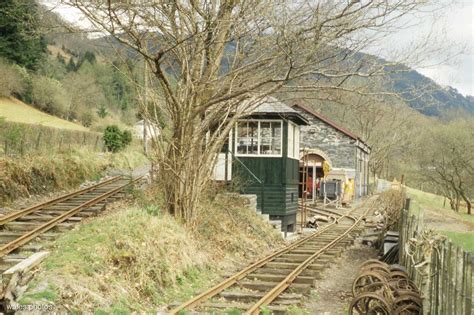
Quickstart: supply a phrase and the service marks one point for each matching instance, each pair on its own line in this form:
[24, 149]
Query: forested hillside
[77, 85]
[71, 76]
[428, 97]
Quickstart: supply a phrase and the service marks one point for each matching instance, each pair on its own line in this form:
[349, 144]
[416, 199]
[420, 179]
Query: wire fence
[18, 139]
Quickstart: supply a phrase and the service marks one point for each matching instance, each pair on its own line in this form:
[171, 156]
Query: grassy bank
[465, 240]
[458, 227]
[135, 258]
[14, 110]
[425, 200]
[37, 174]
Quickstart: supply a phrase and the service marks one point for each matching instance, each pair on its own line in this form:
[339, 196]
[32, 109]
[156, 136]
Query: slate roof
[271, 107]
[269, 104]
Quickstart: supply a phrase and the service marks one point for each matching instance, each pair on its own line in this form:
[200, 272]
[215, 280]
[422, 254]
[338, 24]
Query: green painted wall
[280, 176]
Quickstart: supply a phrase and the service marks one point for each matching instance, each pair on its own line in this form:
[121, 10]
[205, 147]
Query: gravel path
[333, 293]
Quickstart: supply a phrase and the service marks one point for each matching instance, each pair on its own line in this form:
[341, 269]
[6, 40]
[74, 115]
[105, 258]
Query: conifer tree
[21, 40]
[71, 66]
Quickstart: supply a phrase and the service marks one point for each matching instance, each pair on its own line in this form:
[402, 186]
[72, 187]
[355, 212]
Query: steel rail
[17, 214]
[25, 238]
[285, 283]
[319, 210]
[246, 271]
[243, 273]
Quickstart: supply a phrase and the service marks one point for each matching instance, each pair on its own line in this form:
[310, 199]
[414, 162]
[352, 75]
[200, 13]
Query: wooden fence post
[435, 281]
[96, 143]
[469, 291]
[459, 281]
[451, 284]
[444, 284]
[22, 147]
[407, 204]
[401, 235]
[38, 139]
[412, 234]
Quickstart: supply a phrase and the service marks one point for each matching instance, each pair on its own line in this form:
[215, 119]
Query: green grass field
[465, 240]
[421, 199]
[16, 111]
[430, 203]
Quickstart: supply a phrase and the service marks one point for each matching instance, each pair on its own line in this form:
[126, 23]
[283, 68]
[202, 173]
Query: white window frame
[236, 153]
[290, 141]
[295, 134]
[296, 142]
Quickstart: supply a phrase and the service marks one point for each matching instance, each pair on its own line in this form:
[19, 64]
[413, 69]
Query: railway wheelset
[386, 290]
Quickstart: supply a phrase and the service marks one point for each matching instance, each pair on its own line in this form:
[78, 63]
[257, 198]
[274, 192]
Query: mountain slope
[418, 91]
[428, 97]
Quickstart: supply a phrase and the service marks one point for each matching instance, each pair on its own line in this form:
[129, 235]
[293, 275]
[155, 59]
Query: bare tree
[383, 122]
[385, 125]
[213, 61]
[446, 161]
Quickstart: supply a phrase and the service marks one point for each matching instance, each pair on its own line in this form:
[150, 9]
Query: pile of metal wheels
[383, 289]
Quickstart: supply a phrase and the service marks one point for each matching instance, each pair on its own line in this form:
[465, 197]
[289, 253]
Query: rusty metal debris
[383, 289]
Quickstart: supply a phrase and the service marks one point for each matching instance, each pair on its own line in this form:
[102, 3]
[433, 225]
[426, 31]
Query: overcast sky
[453, 33]
[458, 24]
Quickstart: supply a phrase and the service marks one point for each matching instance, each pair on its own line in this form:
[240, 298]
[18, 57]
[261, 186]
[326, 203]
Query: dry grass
[121, 260]
[226, 223]
[32, 175]
[138, 259]
[425, 201]
[16, 111]
[391, 203]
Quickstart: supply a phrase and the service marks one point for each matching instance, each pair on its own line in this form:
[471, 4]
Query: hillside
[16, 111]
[418, 91]
[428, 97]
[456, 226]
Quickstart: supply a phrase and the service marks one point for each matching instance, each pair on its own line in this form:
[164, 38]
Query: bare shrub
[11, 80]
[391, 205]
[86, 95]
[49, 95]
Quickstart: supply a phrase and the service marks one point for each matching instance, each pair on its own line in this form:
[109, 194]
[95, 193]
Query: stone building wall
[340, 148]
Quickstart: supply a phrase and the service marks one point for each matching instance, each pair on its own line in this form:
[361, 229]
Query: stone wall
[340, 148]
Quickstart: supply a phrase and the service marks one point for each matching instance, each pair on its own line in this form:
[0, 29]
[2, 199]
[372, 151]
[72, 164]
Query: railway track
[282, 278]
[323, 211]
[21, 231]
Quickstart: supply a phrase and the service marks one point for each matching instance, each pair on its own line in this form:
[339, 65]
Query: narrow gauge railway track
[283, 277]
[322, 211]
[19, 229]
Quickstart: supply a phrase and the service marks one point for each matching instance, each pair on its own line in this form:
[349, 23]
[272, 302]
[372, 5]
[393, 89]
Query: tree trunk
[185, 170]
[468, 203]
